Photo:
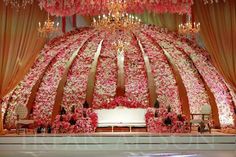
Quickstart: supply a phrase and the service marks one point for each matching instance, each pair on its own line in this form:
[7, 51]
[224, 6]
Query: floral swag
[119, 101]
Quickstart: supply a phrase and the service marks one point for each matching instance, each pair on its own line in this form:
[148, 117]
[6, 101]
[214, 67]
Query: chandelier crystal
[48, 28]
[120, 45]
[189, 28]
[117, 18]
[18, 3]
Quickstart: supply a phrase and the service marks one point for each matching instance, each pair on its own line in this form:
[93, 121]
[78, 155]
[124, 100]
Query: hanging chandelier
[189, 28]
[48, 28]
[116, 19]
[18, 3]
[120, 45]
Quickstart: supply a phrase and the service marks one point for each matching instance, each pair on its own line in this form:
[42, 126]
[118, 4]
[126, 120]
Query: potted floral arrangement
[78, 120]
[162, 120]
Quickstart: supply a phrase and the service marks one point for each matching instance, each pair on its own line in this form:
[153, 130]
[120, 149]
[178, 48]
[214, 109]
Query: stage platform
[119, 141]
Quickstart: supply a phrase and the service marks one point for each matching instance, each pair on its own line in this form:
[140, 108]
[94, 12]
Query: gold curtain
[167, 20]
[19, 44]
[218, 30]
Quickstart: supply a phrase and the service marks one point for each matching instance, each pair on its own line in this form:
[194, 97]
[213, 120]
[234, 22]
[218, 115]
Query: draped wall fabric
[19, 44]
[218, 30]
[170, 21]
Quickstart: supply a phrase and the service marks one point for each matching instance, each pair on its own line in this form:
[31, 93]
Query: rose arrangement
[120, 101]
[79, 120]
[162, 120]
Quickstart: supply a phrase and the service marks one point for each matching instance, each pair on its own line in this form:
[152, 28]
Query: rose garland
[163, 120]
[120, 101]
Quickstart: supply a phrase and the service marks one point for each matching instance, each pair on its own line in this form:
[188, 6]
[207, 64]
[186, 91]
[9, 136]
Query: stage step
[119, 141]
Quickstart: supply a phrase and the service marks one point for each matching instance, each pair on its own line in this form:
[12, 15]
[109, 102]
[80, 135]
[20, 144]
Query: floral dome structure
[155, 64]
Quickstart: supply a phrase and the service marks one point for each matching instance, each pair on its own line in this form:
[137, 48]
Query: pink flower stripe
[106, 75]
[46, 94]
[22, 91]
[136, 84]
[197, 95]
[76, 85]
[166, 86]
[213, 79]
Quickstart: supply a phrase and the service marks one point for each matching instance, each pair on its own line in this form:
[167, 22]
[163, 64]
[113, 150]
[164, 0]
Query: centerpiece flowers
[79, 120]
[164, 120]
[120, 101]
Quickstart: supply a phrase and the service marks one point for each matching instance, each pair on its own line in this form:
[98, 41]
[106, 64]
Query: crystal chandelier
[117, 18]
[18, 3]
[189, 28]
[48, 28]
[120, 45]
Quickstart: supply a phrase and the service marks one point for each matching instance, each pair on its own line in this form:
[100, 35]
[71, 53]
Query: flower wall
[164, 50]
[166, 86]
[76, 85]
[46, 94]
[106, 75]
[220, 91]
[22, 92]
[136, 83]
[192, 81]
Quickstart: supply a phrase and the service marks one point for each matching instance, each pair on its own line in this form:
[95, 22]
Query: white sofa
[121, 116]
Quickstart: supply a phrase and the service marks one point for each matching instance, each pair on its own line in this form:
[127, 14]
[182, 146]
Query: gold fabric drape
[218, 30]
[19, 43]
[167, 20]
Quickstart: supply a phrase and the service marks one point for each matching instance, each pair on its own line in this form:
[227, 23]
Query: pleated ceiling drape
[19, 44]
